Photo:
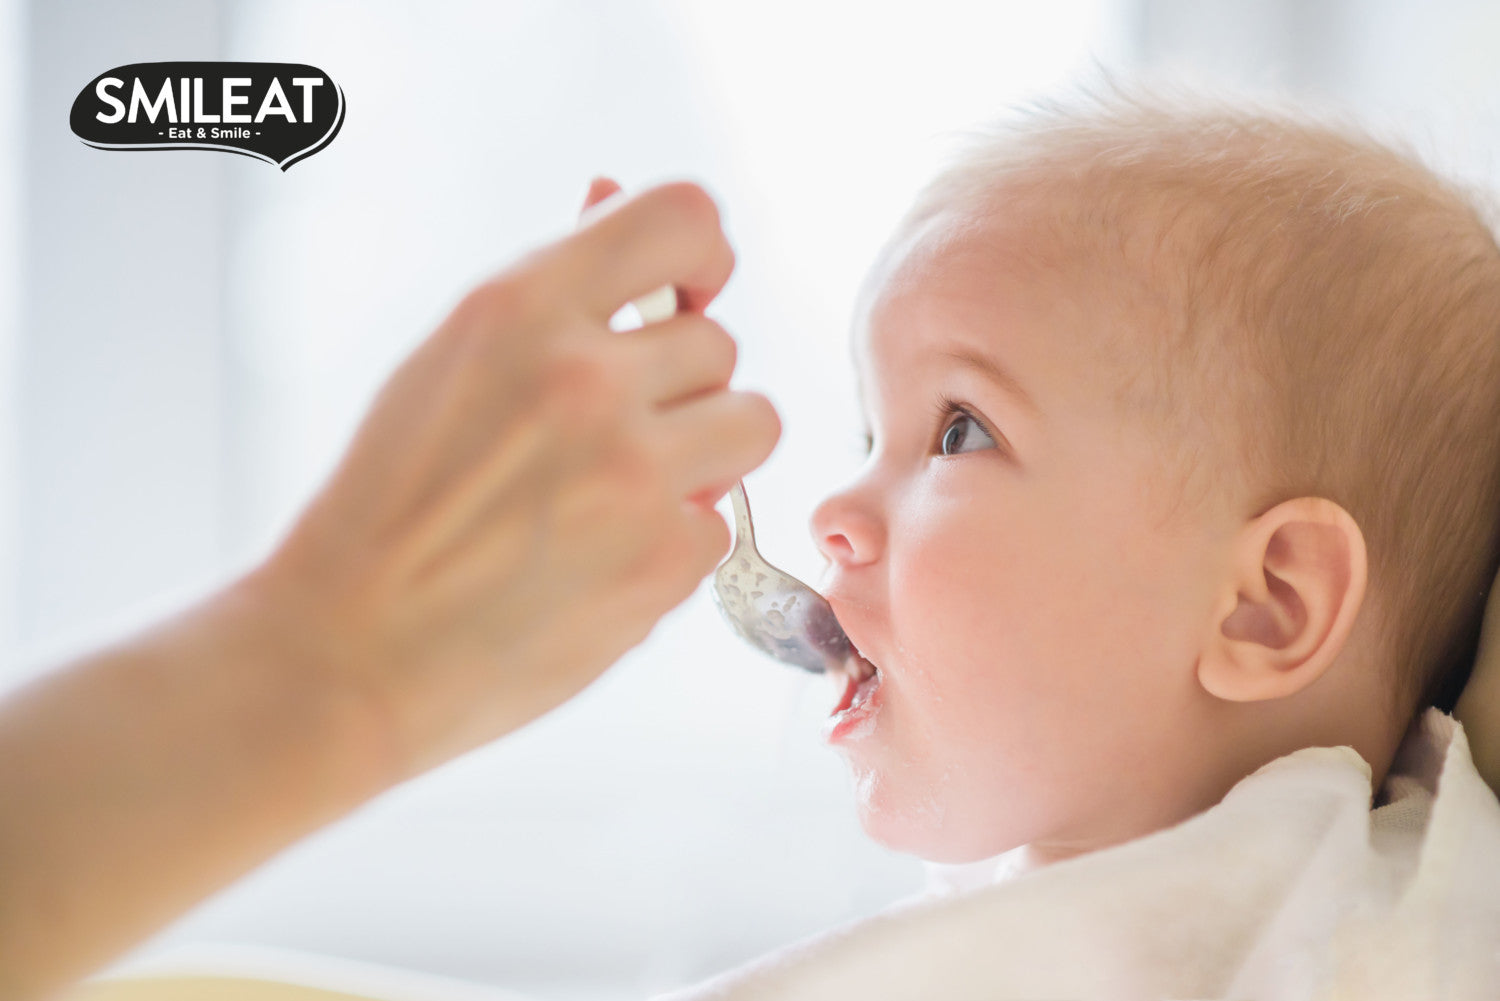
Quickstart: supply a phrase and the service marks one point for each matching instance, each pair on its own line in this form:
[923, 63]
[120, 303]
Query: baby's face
[1002, 558]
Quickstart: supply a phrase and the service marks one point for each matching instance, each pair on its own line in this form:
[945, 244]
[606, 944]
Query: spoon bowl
[772, 610]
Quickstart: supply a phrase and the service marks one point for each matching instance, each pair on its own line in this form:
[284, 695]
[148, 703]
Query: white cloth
[1291, 887]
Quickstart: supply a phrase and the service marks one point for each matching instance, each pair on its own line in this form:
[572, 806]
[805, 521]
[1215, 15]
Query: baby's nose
[847, 531]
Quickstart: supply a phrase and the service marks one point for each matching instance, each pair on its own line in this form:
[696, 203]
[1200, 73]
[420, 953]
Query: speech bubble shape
[281, 113]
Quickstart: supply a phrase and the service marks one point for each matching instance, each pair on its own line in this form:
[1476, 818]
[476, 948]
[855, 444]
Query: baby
[1184, 455]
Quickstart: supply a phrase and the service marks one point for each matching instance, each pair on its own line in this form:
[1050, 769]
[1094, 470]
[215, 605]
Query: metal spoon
[771, 610]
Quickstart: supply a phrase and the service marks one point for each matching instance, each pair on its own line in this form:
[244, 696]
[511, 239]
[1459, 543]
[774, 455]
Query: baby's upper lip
[858, 663]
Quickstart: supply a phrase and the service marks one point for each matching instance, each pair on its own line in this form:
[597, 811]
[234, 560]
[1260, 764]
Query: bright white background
[191, 338]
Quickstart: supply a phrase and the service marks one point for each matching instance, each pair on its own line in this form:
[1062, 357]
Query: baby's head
[1185, 455]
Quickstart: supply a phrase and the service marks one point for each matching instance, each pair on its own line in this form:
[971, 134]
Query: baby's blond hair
[1325, 322]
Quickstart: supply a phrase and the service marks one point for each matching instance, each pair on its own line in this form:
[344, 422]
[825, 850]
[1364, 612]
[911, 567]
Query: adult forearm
[139, 779]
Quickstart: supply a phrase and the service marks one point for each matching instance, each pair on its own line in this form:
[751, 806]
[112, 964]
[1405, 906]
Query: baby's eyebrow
[976, 360]
[997, 373]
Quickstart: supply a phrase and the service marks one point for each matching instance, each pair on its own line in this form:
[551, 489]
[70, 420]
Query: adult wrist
[331, 708]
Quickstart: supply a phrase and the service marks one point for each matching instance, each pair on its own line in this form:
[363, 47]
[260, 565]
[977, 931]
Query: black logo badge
[277, 112]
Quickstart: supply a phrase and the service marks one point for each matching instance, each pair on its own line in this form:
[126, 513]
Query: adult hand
[531, 490]
[529, 493]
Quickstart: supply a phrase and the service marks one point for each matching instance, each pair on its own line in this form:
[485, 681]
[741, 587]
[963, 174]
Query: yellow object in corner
[199, 988]
[225, 972]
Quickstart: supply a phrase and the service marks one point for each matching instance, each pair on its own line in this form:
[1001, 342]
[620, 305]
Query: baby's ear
[1296, 585]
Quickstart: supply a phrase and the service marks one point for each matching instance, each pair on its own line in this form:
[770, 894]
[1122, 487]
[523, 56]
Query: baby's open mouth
[859, 678]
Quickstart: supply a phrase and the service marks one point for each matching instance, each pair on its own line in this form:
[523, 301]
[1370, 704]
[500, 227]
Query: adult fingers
[709, 539]
[666, 235]
[716, 438]
[681, 356]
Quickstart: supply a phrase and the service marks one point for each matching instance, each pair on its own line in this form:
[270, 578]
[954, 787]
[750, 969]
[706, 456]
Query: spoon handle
[744, 530]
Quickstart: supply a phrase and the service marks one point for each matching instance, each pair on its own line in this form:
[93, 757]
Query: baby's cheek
[946, 678]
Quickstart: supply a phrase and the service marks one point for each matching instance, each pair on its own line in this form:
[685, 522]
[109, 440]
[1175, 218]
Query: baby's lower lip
[853, 717]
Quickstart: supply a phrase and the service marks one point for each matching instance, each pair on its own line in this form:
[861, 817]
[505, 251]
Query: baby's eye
[963, 433]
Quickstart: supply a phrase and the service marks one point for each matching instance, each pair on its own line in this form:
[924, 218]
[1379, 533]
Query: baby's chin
[922, 824]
